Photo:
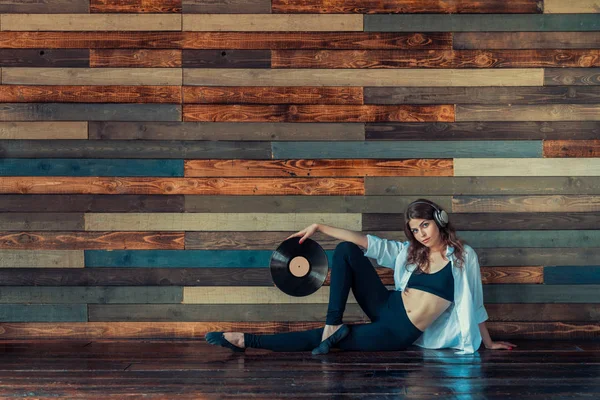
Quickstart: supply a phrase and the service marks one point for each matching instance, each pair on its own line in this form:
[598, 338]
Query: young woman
[437, 303]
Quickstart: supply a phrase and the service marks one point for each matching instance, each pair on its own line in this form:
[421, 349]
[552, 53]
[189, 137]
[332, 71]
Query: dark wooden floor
[193, 369]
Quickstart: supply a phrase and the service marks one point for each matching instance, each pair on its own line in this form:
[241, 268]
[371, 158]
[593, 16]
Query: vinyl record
[299, 269]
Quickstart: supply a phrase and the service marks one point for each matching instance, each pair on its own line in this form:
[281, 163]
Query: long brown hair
[418, 253]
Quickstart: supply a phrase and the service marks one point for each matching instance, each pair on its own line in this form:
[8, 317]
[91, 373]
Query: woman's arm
[342, 234]
[489, 344]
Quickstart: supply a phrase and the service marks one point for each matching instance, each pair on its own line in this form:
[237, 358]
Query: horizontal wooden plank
[135, 6]
[38, 221]
[126, 58]
[270, 22]
[88, 167]
[481, 23]
[537, 293]
[187, 330]
[537, 312]
[405, 6]
[94, 294]
[486, 185]
[225, 131]
[482, 130]
[217, 221]
[526, 40]
[43, 313]
[227, 7]
[495, 222]
[91, 40]
[90, 22]
[79, 58]
[41, 259]
[333, 168]
[227, 58]
[526, 167]
[45, 7]
[581, 6]
[572, 148]
[272, 95]
[33, 205]
[316, 113]
[532, 238]
[537, 256]
[44, 130]
[409, 149]
[252, 295]
[83, 112]
[571, 76]
[354, 77]
[316, 40]
[92, 76]
[130, 149]
[539, 112]
[91, 240]
[512, 58]
[565, 275]
[89, 94]
[483, 95]
[537, 203]
[217, 312]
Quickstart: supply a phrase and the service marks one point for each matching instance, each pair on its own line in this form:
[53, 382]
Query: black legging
[390, 328]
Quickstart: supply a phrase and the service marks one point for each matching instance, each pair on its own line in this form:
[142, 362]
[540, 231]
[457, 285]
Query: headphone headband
[439, 216]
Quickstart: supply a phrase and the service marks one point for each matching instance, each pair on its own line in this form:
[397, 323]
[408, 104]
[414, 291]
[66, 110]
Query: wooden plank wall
[154, 153]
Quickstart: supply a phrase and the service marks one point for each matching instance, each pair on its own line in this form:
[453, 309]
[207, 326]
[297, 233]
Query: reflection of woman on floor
[437, 305]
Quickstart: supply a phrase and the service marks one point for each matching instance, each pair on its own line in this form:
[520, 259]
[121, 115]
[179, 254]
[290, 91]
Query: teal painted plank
[409, 149]
[89, 167]
[565, 275]
[521, 293]
[547, 239]
[181, 258]
[89, 112]
[43, 313]
[481, 23]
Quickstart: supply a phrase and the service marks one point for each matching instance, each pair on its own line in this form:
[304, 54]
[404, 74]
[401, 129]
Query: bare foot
[235, 338]
[329, 330]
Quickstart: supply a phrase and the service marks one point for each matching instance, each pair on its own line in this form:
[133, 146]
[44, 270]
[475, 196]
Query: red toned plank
[317, 113]
[572, 148]
[89, 94]
[91, 40]
[272, 95]
[135, 6]
[92, 240]
[135, 58]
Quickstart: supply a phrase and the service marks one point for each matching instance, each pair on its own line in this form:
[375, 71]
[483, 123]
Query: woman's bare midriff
[422, 308]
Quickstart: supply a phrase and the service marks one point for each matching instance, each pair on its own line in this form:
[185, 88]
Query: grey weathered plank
[86, 112]
[526, 40]
[540, 293]
[226, 6]
[89, 295]
[45, 58]
[45, 6]
[537, 112]
[26, 221]
[43, 313]
[533, 238]
[571, 76]
[537, 256]
[21, 206]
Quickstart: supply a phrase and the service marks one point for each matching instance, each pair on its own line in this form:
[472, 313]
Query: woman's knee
[344, 249]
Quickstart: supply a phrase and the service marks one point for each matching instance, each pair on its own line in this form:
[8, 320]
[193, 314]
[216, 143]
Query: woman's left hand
[501, 345]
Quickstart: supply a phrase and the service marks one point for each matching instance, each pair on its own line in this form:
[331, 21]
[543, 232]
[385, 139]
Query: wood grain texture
[316, 113]
[227, 58]
[90, 40]
[354, 77]
[314, 168]
[92, 76]
[526, 167]
[227, 6]
[89, 94]
[526, 40]
[89, 167]
[272, 95]
[40, 259]
[252, 295]
[554, 256]
[94, 294]
[34, 205]
[126, 58]
[316, 40]
[538, 203]
[538, 294]
[474, 184]
[560, 275]
[538, 112]
[271, 22]
[43, 130]
[39, 221]
[43, 313]
[90, 22]
[82, 112]
[45, 7]
[435, 58]
[405, 6]
[481, 130]
[530, 238]
[483, 95]
[70, 240]
[571, 76]
[174, 186]
[228, 131]
[540, 312]
[581, 6]
[74, 58]
[216, 221]
[135, 6]
[572, 148]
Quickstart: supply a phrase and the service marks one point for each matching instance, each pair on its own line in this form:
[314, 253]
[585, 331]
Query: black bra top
[440, 283]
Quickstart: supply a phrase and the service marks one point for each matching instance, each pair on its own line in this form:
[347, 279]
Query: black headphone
[439, 216]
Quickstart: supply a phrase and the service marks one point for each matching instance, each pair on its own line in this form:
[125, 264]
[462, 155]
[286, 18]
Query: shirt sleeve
[476, 288]
[383, 250]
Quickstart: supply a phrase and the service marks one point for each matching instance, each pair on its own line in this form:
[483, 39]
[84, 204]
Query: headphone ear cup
[442, 217]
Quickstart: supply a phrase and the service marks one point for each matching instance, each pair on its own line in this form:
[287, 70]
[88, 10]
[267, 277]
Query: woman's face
[425, 231]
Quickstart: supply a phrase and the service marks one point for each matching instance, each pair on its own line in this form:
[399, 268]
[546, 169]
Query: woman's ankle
[235, 338]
